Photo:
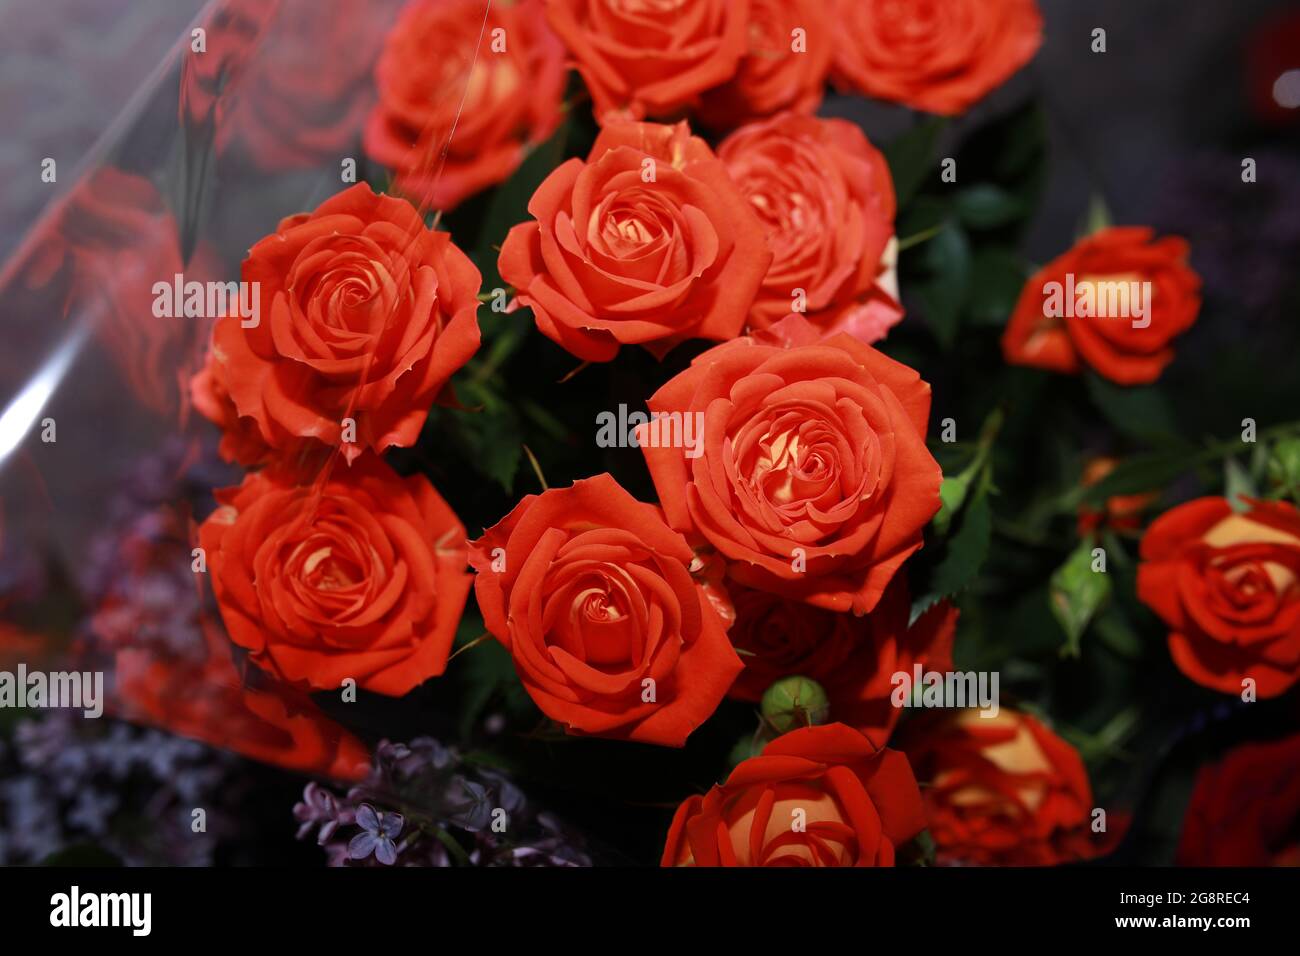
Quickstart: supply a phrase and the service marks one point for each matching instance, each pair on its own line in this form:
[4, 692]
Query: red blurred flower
[1003, 790]
[462, 98]
[650, 58]
[1245, 809]
[1121, 512]
[941, 56]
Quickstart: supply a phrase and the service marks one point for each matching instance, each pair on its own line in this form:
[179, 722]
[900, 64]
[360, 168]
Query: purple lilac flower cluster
[133, 792]
[422, 804]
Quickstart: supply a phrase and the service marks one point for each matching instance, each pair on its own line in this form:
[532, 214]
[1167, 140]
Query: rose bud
[818, 796]
[813, 478]
[1115, 303]
[853, 658]
[937, 57]
[1001, 790]
[1284, 464]
[1228, 587]
[647, 243]
[359, 575]
[794, 702]
[589, 590]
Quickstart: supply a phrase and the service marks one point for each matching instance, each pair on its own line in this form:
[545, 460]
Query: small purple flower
[92, 810]
[379, 830]
[318, 806]
[470, 805]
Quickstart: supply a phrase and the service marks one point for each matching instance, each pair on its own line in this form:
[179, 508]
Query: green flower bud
[794, 702]
[1284, 463]
[746, 747]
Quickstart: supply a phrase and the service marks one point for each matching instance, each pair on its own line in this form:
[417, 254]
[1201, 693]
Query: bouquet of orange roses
[617, 431]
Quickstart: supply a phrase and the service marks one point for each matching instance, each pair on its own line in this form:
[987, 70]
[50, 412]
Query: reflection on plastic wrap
[105, 472]
[285, 81]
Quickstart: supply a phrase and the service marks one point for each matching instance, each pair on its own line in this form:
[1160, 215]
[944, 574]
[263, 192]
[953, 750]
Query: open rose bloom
[368, 313]
[590, 592]
[821, 796]
[1002, 790]
[647, 242]
[708, 433]
[1225, 583]
[814, 481]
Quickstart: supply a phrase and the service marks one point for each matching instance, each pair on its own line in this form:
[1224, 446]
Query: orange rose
[819, 796]
[1115, 302]
[1228, 587]
[650, 57]
[826, 199]
[590, 592]
[462, 98]
[791, 44]
[813, 478]
[364, 315]
[360, 575]
[940, 57]
[1001, 791]
[852, 658]
[647, 243]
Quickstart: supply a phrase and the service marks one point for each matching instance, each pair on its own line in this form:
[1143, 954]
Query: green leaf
[1010, 151]
[1138, 474]
[997, 279]
[1077, 593]
[1097, 218]
[1115, 631]
[922, 217]
[82, 855]
[1237, 484]
[911, 157]
[952, 493]
[1005, 163]
[966, 552]
[1140, 412]
[509, 203]
[986, 206]
[1281, 464]
[489, 439]
[948, 260]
